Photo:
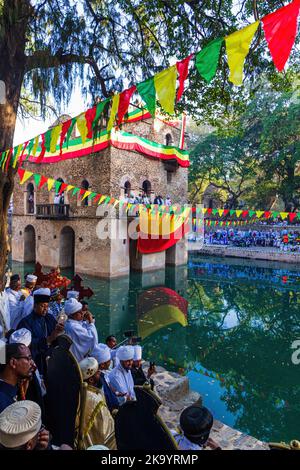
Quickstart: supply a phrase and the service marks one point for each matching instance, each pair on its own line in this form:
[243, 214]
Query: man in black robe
[138, 375]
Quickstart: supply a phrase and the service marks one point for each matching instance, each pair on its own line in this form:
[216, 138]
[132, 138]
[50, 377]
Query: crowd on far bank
[144, 198]
[283, 239]
[32, 318]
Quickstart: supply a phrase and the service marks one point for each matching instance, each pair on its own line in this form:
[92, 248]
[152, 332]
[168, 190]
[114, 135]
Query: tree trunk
[15, 16]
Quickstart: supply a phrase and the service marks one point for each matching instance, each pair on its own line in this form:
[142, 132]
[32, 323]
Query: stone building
[69, 238]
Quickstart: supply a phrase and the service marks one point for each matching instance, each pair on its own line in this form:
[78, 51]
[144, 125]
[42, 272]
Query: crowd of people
[283, 239]
[143, 198]
[31, 320]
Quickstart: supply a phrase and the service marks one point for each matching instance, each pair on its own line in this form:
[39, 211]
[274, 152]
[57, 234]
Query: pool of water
[227, 324]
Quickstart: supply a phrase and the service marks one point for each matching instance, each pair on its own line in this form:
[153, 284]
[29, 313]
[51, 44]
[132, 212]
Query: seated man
[43, 327]
[83, 333]
[120, 378]
[138, 375]
[98, 423]
[102, 354]
[19, 366]
[195, 425]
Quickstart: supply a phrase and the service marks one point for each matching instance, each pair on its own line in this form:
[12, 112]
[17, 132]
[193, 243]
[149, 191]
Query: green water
[234, 343]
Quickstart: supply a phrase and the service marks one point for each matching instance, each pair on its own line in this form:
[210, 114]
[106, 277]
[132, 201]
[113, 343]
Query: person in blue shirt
[43, 327]
[103, 355]
[19, 366]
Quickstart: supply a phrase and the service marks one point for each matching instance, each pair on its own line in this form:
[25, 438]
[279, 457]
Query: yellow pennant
[50, 183]
[101, 199]
[26, 176]
[35, 145]
[237, 48]
[86, 194]
[113, 112]
[284, 215]
[221, 211]
[17, 155]
[82, 127]
[69, 187]
[259, 213]
[54, 137]
[165, 86]
[238, 213]
[204, 210]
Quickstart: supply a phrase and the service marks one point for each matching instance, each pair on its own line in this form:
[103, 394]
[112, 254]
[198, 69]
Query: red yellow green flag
[165, 86]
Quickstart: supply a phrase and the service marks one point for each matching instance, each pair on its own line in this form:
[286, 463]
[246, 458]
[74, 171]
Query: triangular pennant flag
[113, 112]
[69, 187]
[238, 212]
[237, 48]
[245, 213]
[50, 183]
[54, 137]
[82, 127]
[147, 91]
[226, 211]
[107, 200]
[86, 194]
[183, 70]
[207, 60]
[209, 211]
[165, 86]
[221, 211]
[90, 115]
[37, 179]
[75, 191]
[101, 199]
[21, 173]
[43, 181]
[251, 213]
[92, 195]
[204, 210]
[57, 185]
[267, 214]
[65, 127]
[292, 215]
[70, 130]
[284, 215]
[280, 30]
[99, 110]
[232, 211]
[259, 213]
[215, 211]
[17, 153]
[275, 214]
[82, 191]
[43, 147]
[48, 137]
[124, 101]
[26, 176]
[63, 187]
[29, 149]
[35, 145]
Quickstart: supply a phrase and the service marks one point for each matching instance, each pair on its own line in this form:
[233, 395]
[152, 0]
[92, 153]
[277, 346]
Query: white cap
[42, 291]
[19, 423]
[137, 353]
[22, 336]
[31, 278]
[72, 294]
[88, 367]
[72, 306]
[97, 447]
[125, 353]
[102, 353]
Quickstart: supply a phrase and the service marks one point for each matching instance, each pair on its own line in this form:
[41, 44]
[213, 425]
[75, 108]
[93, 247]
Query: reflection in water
[234, 344]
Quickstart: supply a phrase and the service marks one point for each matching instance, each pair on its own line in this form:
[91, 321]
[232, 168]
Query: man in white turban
[82, 332]
[30, 283]
[72, 294]
[103, 355]
[98, 425]
[120, 378]
[22, 336]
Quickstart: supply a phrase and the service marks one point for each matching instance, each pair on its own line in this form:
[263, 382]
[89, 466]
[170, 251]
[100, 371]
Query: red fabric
[8, 159]
[280, 30]
[155, 245]
[209, 211]
[225, 212]
[43, 151]
[65, 128]
[151, 298]
[292, 215]
[63, 187]
[44, 180]
[89, 117]
[125, 97]
[21, 172]
[183, 70]
[267, 214]
[245, 213]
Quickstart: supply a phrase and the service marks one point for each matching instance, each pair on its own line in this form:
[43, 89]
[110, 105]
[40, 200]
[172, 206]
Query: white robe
[120, 380]
[14, 306]
[4, 312]
[84, 336]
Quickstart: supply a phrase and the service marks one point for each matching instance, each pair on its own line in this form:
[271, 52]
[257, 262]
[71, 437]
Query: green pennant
[207, 60]
[107, 200]
[2, 157]
[48, 134]
[57, 186]
[37, 179]
[148, 94]
[29, 149]
[274, 214]
[251, 213]
[99, 110]
[92, 195]
[215, 211]
[298, 215]
[232, 211]
[70, 131]
[75, 191]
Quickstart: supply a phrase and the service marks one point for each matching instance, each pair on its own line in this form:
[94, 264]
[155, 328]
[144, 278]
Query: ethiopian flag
[158, 232]
[158, 308]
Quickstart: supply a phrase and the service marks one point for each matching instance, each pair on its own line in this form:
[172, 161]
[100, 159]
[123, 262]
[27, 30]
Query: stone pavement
[176, 395]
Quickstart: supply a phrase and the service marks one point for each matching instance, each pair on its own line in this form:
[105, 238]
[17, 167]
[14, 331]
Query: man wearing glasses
[18, 367]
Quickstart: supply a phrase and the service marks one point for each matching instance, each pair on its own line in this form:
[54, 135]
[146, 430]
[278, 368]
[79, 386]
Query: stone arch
[67, 248]
[146, 186]
[29, 244]
[169, 139]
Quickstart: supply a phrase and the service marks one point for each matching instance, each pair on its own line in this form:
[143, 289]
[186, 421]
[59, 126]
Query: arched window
[169, 139]
[127, 188]
[146, 187]
[85, 185]
[30, 199]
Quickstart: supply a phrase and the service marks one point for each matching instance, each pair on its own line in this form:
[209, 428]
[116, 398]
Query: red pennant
[267, 214]
[82, 191]
[63, 187]
[292, 215]
[225, 211]
[21, 172]
[209, 211]
[89, 117]
[280, 30]
[124, 102]
[65, 127]
[183, 70]
[96, 198]
[44, 180]
[245, 213]
[8, 158]
[43, 149]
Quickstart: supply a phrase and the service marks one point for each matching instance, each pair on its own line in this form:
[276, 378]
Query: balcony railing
[52, 211]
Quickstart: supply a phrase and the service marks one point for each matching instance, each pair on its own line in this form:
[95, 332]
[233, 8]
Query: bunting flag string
[280, 29]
